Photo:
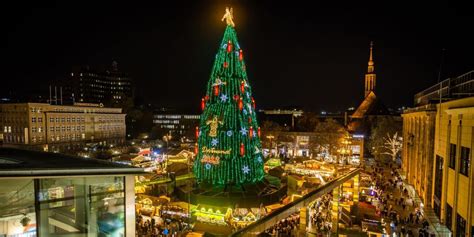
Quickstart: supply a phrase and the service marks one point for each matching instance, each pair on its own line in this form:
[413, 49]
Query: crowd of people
[285, 228]
[394, 204]
[159, 227]
[320, 215]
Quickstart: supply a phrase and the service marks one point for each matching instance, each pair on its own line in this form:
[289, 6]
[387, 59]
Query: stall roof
[26, 163]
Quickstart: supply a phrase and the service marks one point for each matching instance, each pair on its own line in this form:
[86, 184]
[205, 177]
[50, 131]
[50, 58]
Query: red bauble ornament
[206, 98]
[196, 149]
[241, 55]
[251, 132]
[242, 149]
[229, 46]
[250, 119]
[197, 132]
[226, 64]
[241, 104]
[253, 103]
[258, 131]
[203, 104]
[236, 97]
[216, 90]
[242, 86]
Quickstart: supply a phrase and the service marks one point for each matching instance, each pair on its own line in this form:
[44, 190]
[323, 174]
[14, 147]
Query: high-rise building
[438, 139]
[110, 87]
[57, 127]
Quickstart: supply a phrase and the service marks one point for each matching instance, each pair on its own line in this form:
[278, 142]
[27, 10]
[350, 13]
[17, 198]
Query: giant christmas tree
[228, 148]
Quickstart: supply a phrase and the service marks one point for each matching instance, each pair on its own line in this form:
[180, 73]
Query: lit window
[33, 120]
[465, 161]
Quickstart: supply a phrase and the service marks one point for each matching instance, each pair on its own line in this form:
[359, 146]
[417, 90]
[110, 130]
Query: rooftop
[24, 163]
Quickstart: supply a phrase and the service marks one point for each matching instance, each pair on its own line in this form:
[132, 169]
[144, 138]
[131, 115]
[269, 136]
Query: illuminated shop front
[45, 194]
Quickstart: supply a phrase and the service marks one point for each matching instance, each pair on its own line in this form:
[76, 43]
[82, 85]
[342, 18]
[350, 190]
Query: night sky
[313, 57]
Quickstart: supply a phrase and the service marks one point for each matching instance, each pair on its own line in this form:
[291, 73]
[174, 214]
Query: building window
[68, 120]
[95, 196]
[57, 120]
[63, 120]
[73, 119]
[452, 156]
[40, 120]
[51, 129]
[465, 161]
[460, 226]
[33, 120]
[449, 217]
[51, 120]
[438, 176]
[33, 129]
[58, 129]
[40, 129]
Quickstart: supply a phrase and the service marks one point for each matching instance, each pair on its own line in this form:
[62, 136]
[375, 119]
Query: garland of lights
[228, 148]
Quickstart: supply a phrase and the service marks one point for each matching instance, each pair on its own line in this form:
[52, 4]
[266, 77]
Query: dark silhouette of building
[109, 87]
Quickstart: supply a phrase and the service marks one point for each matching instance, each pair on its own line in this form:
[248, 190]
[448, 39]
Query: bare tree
[393, 144]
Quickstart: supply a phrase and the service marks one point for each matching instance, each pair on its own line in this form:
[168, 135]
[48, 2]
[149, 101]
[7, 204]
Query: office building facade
[177, 125]
[437, 152]
[109, 87]
[50, 127]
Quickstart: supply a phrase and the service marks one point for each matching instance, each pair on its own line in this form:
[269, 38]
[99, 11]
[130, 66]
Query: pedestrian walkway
[436, 226]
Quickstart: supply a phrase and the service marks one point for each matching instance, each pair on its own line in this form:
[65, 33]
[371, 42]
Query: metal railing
[261, 225]
[460, 86]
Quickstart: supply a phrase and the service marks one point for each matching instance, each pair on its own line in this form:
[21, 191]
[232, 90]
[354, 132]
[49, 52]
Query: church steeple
[370, 75]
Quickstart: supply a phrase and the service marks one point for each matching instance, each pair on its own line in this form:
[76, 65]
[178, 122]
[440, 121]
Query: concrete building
[57, 127]
[46, 194]
[109, 87]
[453, 186]
[177, 124]
[418, 148]
[436, 156]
